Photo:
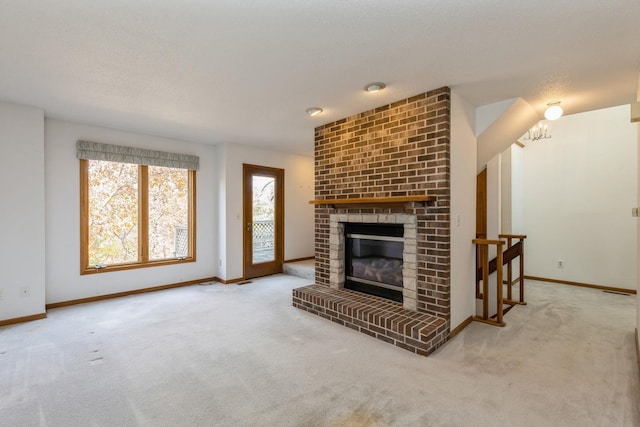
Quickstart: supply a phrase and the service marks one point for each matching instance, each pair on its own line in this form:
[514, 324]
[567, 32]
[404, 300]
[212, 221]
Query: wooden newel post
[484, 250]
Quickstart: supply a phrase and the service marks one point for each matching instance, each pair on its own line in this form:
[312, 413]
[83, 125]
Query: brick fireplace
[389, 157]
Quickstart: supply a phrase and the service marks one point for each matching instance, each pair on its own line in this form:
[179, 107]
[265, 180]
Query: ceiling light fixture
[374, 87]
[314, 111]
[538, 132]
[553, 111]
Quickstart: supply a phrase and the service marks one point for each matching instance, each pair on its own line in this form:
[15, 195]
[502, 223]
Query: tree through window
[113, 213]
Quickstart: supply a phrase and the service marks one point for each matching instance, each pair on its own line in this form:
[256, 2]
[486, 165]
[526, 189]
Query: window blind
[141, 156]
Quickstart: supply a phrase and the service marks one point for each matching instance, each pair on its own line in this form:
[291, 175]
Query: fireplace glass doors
[373, 259]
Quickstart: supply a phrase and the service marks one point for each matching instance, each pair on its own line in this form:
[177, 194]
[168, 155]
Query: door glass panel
[263, 235]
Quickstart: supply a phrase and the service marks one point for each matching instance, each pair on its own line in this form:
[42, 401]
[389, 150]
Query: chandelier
[539, 131]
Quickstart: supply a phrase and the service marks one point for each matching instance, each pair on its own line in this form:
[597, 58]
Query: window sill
[134, 265]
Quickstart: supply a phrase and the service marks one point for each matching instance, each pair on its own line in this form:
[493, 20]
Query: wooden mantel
[381, 202]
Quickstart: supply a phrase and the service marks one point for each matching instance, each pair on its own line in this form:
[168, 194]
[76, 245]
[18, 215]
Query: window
[134, 215]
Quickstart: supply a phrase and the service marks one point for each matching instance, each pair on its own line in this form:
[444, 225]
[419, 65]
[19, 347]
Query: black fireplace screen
[373, 259]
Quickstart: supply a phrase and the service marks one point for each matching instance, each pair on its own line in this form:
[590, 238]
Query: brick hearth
[383, 319]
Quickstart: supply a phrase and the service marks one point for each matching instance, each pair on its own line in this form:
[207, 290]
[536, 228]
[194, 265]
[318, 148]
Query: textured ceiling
[245, 71]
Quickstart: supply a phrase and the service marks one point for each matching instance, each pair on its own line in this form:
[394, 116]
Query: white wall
[637, 125]
[44, 219]
[579, 188]
[517, 191]
[63, 279]
[502, 132]
[505, 191]
[511, 198]
[489, 113]
[463, 209]
[504, 188]
[298, 191]
[22, 252]
[223, 216]
[638, 238]
[494, 223]
[494, 198]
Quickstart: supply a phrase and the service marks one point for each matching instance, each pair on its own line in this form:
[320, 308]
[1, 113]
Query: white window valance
[140, 156]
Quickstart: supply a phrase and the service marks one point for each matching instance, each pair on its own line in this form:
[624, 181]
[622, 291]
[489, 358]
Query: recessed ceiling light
[314, 111]
[374, 87]
[553, 111]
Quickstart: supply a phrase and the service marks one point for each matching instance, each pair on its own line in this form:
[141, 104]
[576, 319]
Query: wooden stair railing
[484, 268]
[511, 253]
[482, 256]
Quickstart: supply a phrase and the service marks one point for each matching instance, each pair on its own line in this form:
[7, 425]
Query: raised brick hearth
[400, 149]
[383, 319]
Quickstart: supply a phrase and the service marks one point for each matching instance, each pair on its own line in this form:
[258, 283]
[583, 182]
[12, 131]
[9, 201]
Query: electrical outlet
[24, 291]
[219, 263]
[560, 263]
[1, 295]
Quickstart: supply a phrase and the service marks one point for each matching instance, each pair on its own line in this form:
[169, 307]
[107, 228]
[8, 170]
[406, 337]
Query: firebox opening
[373, 259]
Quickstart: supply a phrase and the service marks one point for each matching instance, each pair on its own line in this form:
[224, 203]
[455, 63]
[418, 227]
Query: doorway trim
[249, 269]
[481, 204]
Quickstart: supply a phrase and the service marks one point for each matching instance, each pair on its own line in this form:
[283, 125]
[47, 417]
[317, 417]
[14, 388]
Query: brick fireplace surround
[400, 149]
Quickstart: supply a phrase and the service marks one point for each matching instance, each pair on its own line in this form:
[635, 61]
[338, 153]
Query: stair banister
[482, 246]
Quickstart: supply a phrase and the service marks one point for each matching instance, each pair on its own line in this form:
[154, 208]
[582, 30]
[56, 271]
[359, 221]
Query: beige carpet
[242, 356]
